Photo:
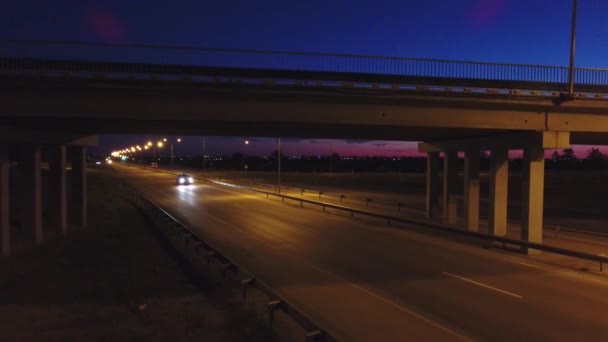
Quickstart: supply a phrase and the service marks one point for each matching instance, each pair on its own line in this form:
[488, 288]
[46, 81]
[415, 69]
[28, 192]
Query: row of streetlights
[137, 148]
[161, 143]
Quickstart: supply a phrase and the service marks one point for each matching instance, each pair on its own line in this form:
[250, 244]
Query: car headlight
[190, 180]
[181, 180]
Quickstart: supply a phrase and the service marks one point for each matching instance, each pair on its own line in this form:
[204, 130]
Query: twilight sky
[517, 31]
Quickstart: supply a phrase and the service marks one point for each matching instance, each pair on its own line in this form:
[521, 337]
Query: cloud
[485, 12]
[106, 26]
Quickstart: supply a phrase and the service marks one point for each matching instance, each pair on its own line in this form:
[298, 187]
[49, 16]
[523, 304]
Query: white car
[184, 179]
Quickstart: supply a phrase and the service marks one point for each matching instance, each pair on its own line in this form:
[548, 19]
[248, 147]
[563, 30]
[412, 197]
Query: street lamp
[279, 165]
[178, 140]
[243, 165]
[160, 145]
[572, 48]
[204, 141]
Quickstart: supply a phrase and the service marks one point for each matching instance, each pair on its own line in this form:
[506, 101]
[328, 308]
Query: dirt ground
[114, 280]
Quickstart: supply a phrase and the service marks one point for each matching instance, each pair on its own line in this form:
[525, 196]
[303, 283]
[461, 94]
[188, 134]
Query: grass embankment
[115, 280]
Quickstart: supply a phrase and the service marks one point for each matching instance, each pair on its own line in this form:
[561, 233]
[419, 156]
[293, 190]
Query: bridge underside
[60, 113]
[128, 107]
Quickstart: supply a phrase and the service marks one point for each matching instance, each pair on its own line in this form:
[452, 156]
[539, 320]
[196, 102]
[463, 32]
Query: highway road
[365, 281]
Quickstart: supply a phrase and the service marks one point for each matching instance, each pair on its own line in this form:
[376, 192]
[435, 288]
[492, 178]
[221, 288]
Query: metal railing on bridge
[142, 59]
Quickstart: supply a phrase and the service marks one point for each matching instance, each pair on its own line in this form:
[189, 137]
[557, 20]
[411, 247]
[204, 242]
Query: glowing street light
[159, 145]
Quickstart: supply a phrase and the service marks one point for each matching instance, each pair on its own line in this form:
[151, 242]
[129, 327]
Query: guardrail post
[320, 194]
[367, 200]
[245, 284]
[272, 306]
[225, 267]
[302, 192]
[313, 336]
[341, 198]
[210, 254]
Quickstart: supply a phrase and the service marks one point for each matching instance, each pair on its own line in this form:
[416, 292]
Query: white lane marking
[395, 305]
[522, 263]
[483, 285]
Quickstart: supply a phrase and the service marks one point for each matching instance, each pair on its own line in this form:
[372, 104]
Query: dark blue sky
[517, 31]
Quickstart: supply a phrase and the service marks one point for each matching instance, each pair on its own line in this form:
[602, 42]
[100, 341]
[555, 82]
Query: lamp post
[279, 164]
[160, 145]
[178, 140]
[243, 165]
[204, 141]
[572, 50]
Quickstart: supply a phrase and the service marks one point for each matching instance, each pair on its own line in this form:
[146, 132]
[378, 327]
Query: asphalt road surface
[365, 281]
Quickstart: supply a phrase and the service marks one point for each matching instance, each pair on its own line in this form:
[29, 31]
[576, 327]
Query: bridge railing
[148, 58]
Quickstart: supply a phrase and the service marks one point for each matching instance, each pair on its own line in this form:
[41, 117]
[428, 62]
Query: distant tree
[596, 154]
[568, 154]
[333, 161]
[555, 156]
[275, 153]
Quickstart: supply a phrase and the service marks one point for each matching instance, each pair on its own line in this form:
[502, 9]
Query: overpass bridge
[450, 106]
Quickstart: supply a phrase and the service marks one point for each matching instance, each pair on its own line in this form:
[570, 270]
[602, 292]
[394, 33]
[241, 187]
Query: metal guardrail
[399, 205]
[486, 237]
[79, 57]
[342, 197]
[314, 332]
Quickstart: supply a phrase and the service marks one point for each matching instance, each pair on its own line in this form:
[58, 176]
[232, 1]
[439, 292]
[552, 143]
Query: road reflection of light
[187, 193]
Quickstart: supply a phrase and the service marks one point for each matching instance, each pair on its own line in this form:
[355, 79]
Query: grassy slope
[114, 281]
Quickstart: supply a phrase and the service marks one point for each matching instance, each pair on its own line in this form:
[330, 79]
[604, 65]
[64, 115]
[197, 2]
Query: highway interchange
[363, 280]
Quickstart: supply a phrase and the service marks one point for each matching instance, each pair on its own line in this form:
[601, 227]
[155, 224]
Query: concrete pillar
[471, 190]
[450, 169]
[432, 183]
[5, 225]
[533, 181]
[78, 181]
[30, 190]
[58, 187]
[498, 192]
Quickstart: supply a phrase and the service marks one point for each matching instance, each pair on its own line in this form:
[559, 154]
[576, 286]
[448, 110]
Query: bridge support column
[450, 206]
[471, 190]
[533, 178]
[78, 180]
[58, 187]
[30, 190]
[432, 184]
[498, 194]
[5, 225]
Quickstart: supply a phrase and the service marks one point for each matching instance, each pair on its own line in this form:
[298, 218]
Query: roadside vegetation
[115, 280]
